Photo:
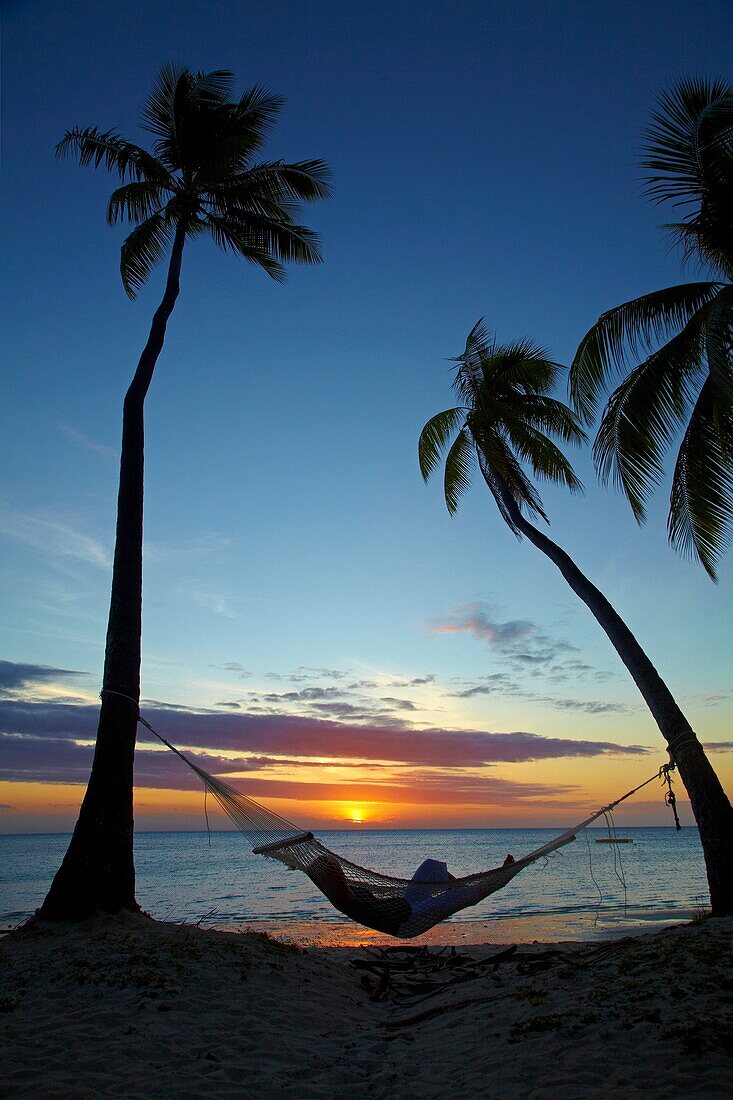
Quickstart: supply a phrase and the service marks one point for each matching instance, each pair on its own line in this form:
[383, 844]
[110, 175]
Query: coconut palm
[202, 176]
[674, 347]
[502, 426]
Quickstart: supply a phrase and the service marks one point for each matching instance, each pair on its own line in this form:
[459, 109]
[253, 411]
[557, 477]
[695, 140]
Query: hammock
[396, 906]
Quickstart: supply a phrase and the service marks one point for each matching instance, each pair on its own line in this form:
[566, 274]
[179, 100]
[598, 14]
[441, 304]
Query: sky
[316, 626]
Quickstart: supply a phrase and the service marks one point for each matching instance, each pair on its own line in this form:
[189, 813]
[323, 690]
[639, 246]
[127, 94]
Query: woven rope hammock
[396, 906]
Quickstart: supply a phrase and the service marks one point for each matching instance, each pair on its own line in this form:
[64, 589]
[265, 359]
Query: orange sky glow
[386, 797]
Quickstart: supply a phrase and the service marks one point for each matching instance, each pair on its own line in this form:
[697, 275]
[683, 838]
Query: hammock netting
[396, 906]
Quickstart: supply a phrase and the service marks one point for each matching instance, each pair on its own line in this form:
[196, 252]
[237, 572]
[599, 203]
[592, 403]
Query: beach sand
[129, 1007]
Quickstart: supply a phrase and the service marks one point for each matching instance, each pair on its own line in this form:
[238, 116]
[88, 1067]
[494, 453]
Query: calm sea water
[183, 877]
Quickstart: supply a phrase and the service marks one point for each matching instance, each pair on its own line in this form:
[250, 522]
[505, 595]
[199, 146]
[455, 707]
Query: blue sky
[485, 163]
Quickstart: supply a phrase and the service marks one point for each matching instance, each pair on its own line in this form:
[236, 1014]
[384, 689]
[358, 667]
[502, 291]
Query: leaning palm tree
[674, 347]
[504, 424]
[202, 176]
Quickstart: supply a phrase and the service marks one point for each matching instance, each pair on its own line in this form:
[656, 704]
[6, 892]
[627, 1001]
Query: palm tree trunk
[98, 870]
[710, 804]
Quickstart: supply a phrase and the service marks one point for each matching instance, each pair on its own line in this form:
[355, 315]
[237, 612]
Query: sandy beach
[129, 1007]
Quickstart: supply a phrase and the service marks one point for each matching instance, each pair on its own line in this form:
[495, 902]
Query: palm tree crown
[674, 347]
[503, 422]
[201, 176]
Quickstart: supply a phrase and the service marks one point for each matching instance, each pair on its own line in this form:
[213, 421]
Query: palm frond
[701, 503]
[256, 237]
[546, 459]
[305, 180]
[256, 114]
[135, 202]
[267, 186]
[94, 146]
[158, 113]
[215, 88]
[230, 237]
[645, 413]
[507, 479]
[459, 465]
[718, 333]
[472, 363]
[547, 414]
[142, 250]
[633, 328]
[689, 130]
[708, 245]
[435, 437]
[526, 366]
[509, 417]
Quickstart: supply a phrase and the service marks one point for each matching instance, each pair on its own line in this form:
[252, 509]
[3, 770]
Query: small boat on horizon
[614, 840]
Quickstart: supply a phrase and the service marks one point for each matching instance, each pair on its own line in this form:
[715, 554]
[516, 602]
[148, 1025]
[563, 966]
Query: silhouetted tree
[201, 176]
[504, 423]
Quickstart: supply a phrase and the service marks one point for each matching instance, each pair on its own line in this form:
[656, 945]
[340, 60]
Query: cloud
[90, 444]
[203, 546]
[305, 695]
[521, 642]
[718, 746]
[15, 675]
[234, 666]
[57, 760]
[309, 672]
[474, 619]
[500, 683]
[713, 700]
[306, 737]
[397, 704]
[588, 706]
[214, 602]
[54, 538]
[416, 681]
[335, 701]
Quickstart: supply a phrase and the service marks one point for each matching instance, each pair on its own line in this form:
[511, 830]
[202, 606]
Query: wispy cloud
[518, 639]
[49, 760]
[234, 666]
[530, 654]
[309, 672]
[214, 602]
[502, 684]
[53, 537]
[15, 676]
[714, 700]
[311, 737]
[101, 449]
[201, 547]
[348, 701]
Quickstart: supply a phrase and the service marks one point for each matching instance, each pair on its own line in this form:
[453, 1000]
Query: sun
[355, 815]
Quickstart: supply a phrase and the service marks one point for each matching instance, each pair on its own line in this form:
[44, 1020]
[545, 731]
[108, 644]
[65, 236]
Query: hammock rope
[396, 906]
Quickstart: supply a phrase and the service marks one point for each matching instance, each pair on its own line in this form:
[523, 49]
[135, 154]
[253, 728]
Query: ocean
[216, 880]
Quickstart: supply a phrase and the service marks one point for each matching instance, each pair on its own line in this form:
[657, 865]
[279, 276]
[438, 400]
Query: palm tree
[202, 176]
[674, 347]
[503, 425]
